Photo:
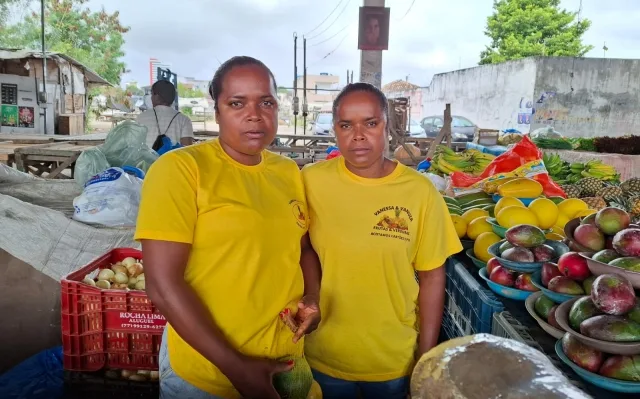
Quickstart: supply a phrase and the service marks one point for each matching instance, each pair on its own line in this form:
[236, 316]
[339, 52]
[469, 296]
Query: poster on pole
[373, 32]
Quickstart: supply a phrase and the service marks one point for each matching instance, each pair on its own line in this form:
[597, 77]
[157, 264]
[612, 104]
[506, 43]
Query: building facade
[321, 89]
[154, 64]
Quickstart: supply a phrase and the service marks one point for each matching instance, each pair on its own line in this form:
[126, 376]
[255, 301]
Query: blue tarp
[488, 149]
[39, 377]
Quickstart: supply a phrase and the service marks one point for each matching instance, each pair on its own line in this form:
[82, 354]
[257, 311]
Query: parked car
[415, 130]
[323, 125]
[462, 129]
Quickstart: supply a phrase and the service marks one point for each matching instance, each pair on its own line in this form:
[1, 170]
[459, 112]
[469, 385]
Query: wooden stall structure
[49, 160]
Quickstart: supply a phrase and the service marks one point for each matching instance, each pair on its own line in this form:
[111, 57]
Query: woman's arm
[165, 264]
[308, 316]
[431, 307]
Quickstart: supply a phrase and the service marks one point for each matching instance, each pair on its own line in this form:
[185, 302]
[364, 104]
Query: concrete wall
[579, 97]
[600, 99]
[491, 96]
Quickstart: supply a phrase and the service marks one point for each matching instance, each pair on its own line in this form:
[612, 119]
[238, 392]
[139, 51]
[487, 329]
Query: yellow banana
[446, 166]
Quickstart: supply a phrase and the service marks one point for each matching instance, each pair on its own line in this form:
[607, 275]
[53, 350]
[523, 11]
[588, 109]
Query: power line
[325, 20]
[333, 23]
[332, 51]
[331, 37]
[407, 13]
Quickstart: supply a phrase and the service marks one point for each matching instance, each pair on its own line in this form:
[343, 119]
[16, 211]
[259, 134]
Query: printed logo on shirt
[393, 222]
[299, 210]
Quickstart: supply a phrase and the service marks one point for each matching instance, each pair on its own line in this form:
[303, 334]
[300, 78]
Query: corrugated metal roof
[16, 54]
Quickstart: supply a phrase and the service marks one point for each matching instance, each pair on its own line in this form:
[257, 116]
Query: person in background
[163, 119]
[374, 223]
[223, 226]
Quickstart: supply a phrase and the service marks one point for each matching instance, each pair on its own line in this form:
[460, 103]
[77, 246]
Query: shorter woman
[374, 223]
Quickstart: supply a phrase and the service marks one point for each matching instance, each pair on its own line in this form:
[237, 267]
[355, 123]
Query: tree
[134, 90]
[94, 38]
[185, 91]
[525, 28]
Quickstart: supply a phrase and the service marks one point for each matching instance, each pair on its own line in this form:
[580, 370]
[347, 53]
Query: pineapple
[590, 186]
[608, 192]
[631, 186]
[596, 203]
[634, 205]
[572, 190]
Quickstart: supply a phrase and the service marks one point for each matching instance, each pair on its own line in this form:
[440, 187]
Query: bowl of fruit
[525, 249]
[479, 264]
[507, 283]
[543, 310]
[502, 231]
[608, 319]
[616, 373]
[612, 244]
[565, 280]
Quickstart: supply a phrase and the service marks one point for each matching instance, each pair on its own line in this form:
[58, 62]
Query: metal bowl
[557, 297]
[614, 348]
[527, 267]
[507, 292]
[599, 268]
[548, 328]
[610, 384]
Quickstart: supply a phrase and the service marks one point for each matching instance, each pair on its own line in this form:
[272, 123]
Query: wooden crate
[71, 124]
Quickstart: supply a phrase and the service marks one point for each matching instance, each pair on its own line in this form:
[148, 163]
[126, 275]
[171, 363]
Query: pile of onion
[126, 274]
[133, 375]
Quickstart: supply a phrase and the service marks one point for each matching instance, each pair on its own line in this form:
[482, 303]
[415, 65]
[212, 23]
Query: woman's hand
[253, 378]
[307, 317]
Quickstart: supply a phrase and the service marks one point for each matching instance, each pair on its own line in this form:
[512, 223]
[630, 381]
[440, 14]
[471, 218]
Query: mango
[613, 294]
[589, 219]
[611, 329]
[526, 236]
[521, 188]
[612, 220]
[294, 384]
[630, 263]
[584, 356]
[549, 271]
[587, 284]
[551, 319]
[605, 256]
[543, 253]
[542, 306]
[625, 368]
[518, 254]
[581, 310]
[627, 242]
[634, 314]
[564, 285]
[589, 236]
[504, 246]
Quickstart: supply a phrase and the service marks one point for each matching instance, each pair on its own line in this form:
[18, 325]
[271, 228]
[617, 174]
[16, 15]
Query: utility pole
[43, 95]
[347, 76]
[304, 85]
[371, 60]
[352, 76]
[296, 101]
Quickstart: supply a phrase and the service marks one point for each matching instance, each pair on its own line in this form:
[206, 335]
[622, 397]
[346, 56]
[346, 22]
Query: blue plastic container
[469, 307]
[536, 279]
[507, 292]
[477, 262]
[527, 267]
[610, 384]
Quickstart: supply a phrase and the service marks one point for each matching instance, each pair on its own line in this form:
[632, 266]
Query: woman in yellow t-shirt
[223, 226]
[374, 224]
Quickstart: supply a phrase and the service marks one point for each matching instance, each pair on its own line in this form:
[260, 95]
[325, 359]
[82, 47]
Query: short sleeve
[168, 205]
[438, 238]
[187, 127]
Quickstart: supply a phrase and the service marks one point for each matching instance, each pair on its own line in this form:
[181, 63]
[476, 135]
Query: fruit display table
[542, 339]
[627, 165]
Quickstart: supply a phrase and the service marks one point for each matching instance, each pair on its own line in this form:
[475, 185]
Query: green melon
[294, 384]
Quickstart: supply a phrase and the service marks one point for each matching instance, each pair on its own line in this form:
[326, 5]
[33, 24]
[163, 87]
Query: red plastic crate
[108, 328]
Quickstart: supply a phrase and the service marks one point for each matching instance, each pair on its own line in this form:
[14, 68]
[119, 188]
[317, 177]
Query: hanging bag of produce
[524, 159]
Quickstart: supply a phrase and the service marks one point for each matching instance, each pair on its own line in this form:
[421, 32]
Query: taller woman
[374, 223]
[223, 228]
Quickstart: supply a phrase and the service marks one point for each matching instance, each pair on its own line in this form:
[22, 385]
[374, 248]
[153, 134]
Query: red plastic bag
[521, 153]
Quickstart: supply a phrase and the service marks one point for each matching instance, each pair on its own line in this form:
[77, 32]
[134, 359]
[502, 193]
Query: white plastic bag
[110, 199]
[439, 182]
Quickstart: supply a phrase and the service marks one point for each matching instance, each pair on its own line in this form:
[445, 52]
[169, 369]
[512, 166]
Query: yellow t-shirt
[245, 224]
[371, 236]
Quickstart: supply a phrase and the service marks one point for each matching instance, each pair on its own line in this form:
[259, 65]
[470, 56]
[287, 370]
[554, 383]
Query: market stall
[552, 259]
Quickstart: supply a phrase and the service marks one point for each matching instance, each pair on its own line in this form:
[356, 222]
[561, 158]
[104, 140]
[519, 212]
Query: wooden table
[50, 159]
[290, 140]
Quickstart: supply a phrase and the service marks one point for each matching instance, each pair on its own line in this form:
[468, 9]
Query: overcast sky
[427, 37]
